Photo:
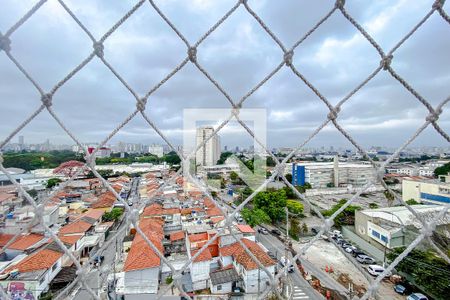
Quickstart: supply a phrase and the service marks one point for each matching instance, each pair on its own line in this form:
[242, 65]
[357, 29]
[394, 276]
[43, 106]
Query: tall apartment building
[157, 150]
[325, 174]
[209, 154]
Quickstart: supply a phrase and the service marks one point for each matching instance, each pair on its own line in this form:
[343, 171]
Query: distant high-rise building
[157, 150]
[21, 140]
[208, 154]
[225, 148]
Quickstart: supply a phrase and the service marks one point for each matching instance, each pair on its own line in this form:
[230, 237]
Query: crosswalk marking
[299, 294]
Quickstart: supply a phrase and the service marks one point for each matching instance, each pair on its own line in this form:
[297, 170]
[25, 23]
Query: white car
[364, 259]
[376, 270]
[417, 296]
[350, 249]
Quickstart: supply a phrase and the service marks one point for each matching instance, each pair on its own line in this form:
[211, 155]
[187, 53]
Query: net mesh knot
[98, 49]
[434, 116]
[47, 100]
[438, 4]
[333, 114]
[5, 43]
[339, 4]
[386, 62]
[288, 58]
[192, 53]
[140, 104]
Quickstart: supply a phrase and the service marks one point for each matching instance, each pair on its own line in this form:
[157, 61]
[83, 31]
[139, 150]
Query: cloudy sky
[239, 54]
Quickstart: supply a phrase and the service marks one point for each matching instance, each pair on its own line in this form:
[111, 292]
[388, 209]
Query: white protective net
[286, 60]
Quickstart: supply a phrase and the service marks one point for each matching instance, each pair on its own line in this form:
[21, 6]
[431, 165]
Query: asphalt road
[301, 288]
[97, 278]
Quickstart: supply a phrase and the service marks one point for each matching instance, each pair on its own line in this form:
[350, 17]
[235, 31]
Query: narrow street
[301, 288]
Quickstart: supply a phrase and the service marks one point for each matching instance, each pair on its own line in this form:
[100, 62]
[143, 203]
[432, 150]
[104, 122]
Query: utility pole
[286, 261]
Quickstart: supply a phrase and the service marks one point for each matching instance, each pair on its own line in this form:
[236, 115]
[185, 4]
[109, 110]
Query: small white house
[223, 281]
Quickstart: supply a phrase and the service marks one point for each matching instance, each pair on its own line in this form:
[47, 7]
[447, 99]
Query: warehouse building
[433, 191]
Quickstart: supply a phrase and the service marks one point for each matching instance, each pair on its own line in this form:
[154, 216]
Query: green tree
[346, 217]
[294, 206]
[171, 158]
[412, 202]
[272, 202]
[427, 269]
[288, 177]
[304, 228]
[442, 170]
[223, 157]
[234, 176]
[294, 228]
[373, 205]
[52, 182]
[255, 217]
[113, 215]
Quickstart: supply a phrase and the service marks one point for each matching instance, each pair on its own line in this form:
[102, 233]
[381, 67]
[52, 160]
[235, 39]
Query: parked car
[417, 296]
[401, 289]
[263, 230]
[365, 259]
[275, 231]
[350, 249]
[345, 245]
[340, 241]
[357, 252]
[376, 270]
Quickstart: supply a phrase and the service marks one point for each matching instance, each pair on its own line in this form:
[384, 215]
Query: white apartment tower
[209, 154]
[157, 150]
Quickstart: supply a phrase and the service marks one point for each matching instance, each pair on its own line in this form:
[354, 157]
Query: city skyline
[335, 60]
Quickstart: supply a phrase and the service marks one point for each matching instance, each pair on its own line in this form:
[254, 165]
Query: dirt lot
[323, 254]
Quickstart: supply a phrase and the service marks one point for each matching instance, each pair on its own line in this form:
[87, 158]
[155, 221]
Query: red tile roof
[203, 256]
[39, 260]
[70, 239]
[5, 238]
[156, 209]
[79, 226]
[214, 211]
[26, 241]
[245, 228]
[94, 213]
[198, 237]
[176, 236]
[141, 255]
[242, 257]
[104, 200]
[217, 219]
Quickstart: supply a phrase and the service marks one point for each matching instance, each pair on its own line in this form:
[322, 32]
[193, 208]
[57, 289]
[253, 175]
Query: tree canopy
[346, 217]
[255, 217]
[272, 202]
[427, 269]
[443, 170]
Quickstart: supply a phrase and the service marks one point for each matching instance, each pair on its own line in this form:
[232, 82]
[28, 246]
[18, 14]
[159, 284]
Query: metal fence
[286, 60]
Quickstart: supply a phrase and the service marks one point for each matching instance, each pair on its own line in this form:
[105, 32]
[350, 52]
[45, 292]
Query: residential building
[157, 150]
[30, 277]
[142, 264]
[209, 153]
[253, 278]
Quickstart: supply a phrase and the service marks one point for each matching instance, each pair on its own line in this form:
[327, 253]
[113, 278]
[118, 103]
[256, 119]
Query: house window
[219, 287]
[41, 281]
[375, 234]
[54, 266]
[384, 238]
